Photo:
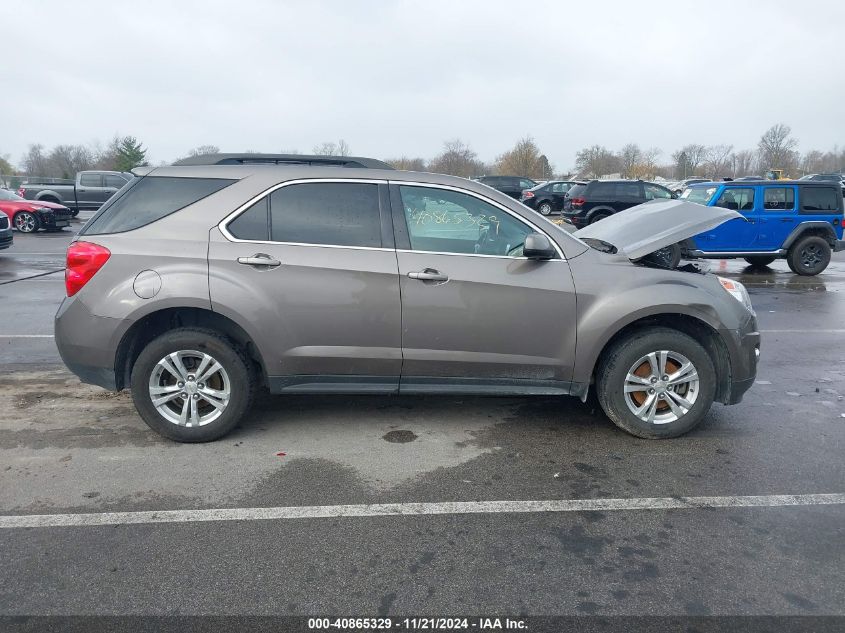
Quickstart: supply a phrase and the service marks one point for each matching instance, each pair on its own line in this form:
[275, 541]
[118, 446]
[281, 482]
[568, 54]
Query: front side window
[819, 199]
[736, 198]
[327, 213]
[779, 199]
[444, 221]
[653, 192]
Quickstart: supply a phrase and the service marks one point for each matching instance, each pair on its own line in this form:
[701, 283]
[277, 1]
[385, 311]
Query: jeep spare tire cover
[648, 227]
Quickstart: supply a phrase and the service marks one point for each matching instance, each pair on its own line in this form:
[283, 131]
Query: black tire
[760, 261]
[599, 216]
[545, 208]
[810, 255]
[26, 222]
[50, 199]
[232, 359]
[625, 353]
[74, 213]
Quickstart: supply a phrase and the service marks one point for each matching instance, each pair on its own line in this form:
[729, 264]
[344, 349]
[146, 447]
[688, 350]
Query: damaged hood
[648, 227]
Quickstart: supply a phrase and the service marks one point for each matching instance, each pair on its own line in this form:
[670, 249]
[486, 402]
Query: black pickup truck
[90, 190]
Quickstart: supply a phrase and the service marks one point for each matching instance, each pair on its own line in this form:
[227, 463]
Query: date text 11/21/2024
[417, 624]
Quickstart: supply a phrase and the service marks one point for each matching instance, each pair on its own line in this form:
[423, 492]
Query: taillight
[21, 191]
[84, 259]
[577, 202]
[527, 194]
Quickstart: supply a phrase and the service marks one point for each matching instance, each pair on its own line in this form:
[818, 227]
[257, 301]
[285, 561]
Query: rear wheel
[545, 208]
[599, 216]
[26, 222]
[192, 385]
[760, 261]
[809, 256]
[656, 383]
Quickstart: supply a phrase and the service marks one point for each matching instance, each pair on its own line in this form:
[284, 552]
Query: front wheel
[192, 385]
[809, 255]
[545, 208]
[27, 222]
[656, 383]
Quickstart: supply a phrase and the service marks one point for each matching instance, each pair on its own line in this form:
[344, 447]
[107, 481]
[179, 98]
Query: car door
[112, 183]
[476, 315]
[777, 218]
[90, 192]
[738, 235]
[627, 194]
[558, 193]
[310, 266]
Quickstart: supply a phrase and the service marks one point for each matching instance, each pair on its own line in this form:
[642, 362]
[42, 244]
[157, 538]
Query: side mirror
[538, 246]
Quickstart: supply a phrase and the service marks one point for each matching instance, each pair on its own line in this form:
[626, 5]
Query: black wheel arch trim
[813, 225]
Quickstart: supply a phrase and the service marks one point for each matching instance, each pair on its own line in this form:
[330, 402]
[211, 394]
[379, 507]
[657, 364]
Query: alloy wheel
[811, 256]
[189, 388]
[25, 222]
[661, 387]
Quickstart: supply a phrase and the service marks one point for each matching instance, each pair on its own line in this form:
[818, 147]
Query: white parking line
[413, 509]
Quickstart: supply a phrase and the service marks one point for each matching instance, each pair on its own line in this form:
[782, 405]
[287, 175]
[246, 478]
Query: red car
[27, 216]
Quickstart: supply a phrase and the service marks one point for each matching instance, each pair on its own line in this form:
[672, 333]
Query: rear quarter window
[149, 199]
[820, 200]
[576, 190]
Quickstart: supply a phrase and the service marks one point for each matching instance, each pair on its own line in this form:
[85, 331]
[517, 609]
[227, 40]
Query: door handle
[429, 274]
[260, 259]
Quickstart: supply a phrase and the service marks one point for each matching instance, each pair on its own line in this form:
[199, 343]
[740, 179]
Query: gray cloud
[395, 78]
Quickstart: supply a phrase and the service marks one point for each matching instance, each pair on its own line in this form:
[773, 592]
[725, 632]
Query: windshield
[701, 195]
[5, 194]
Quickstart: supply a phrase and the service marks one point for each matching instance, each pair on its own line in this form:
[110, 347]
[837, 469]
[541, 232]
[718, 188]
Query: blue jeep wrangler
[798, 220]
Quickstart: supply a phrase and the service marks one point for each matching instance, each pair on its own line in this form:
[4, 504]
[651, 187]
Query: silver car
[201, 283]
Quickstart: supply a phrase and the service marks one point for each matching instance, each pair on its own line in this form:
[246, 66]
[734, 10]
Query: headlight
[737, 291]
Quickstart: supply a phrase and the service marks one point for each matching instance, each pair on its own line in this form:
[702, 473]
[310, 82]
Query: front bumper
[744, 353]
[6, 238]
[54, 220]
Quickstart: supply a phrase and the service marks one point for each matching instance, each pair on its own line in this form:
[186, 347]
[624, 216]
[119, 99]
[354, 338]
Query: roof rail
[283, 159]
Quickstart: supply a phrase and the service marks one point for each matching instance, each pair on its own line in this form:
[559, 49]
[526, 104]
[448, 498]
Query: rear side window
[603, 190]
[252, 224]
[819, 199]
[330, 213]
[114, 181]
[90, 180]
[779, 199]
[149, 199]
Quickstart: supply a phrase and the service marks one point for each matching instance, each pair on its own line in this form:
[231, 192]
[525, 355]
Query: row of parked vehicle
[797, 220]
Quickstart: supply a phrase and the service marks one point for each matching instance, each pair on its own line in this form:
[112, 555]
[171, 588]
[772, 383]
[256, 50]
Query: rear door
[777, 217]
[311, 268]
[91, 192]
[476, 315]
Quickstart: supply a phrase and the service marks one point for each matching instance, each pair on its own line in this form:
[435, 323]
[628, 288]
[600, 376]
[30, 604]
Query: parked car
[28, 216]
[547, 197]
[6, 237]
[335, 280]
[679, 186]
[837, 178]
[510, 185]
[90, 190]
[800, 221]
[599, 199]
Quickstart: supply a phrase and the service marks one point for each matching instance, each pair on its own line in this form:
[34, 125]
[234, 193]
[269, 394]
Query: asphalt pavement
[68, 450]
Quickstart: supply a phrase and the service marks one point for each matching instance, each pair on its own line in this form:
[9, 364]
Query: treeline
[776, 149]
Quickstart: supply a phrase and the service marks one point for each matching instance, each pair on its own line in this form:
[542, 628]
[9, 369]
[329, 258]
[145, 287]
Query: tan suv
[201, 282]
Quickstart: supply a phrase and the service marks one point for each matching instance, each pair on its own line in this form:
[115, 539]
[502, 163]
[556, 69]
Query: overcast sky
[399, 78]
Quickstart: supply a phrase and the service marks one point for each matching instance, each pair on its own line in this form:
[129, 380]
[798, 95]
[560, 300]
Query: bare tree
[330, 148]
[524, 160]
[34, 162]
[204, 149]
[407, 164]
[629, 156]
[777, 148]
[744, 163]
[718, 159]
[596, 161]
[688, 159]
[457, 159]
